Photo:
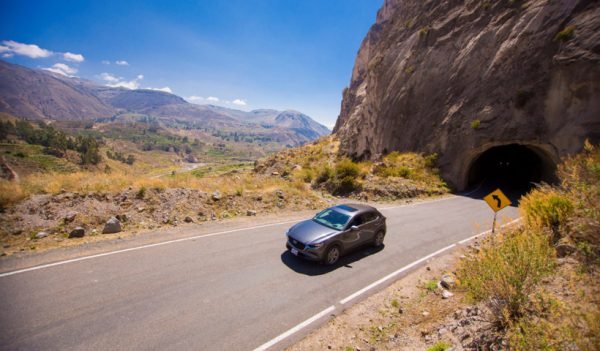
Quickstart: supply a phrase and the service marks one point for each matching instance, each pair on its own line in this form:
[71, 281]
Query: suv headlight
[314, 246]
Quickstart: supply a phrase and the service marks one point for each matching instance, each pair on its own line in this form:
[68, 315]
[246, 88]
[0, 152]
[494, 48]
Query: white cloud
[108, 77]
[62, 69]
[212, 99]
[105, 62]
[239, 102]
[122, 63]
[29, 50]
[118, 82]
[131, 84]
[163, 89]
[8, 54]
[195, 99]
[73, 57]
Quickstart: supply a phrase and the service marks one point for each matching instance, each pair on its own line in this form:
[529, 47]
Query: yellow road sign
[497, 200]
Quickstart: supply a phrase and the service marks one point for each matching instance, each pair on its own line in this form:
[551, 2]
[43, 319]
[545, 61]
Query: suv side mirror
[354, 227]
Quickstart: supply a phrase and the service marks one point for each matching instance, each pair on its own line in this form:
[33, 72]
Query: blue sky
[282, 54]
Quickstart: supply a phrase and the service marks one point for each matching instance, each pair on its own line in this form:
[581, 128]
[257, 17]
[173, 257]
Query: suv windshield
[332, 219]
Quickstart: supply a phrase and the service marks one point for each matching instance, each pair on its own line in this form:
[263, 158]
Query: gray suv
[335, 231]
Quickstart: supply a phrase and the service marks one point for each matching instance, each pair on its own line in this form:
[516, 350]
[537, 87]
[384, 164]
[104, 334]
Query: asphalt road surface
[236, 290]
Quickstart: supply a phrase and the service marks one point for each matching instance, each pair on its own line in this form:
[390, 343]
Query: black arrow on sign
[495, 197]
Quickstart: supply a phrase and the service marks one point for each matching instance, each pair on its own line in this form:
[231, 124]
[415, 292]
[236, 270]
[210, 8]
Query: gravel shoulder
[407, 315]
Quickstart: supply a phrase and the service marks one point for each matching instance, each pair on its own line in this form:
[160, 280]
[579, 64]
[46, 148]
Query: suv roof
[354, 209]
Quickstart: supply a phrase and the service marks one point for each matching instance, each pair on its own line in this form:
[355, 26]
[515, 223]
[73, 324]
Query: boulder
[216, 196]
[250, 213]
[448, 281]
[41, 234]
[113, 225]
[70, 217]
[446, 294]
[564, 249]
[188, 219]
[78, 232]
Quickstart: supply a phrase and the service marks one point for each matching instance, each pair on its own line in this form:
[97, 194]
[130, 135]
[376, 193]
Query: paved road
[233, 291]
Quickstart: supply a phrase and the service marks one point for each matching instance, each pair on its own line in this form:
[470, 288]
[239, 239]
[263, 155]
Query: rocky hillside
[38, 94]
[460, 77]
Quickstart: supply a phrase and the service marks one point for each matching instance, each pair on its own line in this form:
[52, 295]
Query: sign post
[497, 201]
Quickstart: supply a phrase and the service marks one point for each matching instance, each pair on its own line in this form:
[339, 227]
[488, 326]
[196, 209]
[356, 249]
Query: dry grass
[506, 271]
[94, 182]
[321, 165]
[546, 208]
[563, 312]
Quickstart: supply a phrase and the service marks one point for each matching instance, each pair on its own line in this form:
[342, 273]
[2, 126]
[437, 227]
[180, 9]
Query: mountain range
[41, 95]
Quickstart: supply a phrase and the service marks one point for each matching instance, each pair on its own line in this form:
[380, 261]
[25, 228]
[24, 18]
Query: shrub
[565, 34]
[505, 272]
[10, 193]
[440, 346]
[141, 193]
[306, 175]
[345, 178]
[324, 175]
[430, 285]
[546, 207]
[475, 124]
[346, 168]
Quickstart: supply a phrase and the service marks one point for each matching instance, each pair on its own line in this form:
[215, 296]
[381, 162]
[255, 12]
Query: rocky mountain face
[460, 78]
[36, 94]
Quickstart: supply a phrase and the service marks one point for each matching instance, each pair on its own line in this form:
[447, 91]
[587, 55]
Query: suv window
[358, 220]
[370, 216]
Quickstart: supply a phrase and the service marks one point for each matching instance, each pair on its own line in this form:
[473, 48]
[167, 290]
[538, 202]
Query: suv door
[353, 238]
[369, 227]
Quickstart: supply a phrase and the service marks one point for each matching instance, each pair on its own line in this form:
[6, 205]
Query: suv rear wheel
[378, 240]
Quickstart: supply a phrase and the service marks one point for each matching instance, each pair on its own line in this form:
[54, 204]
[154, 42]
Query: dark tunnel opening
[513, 168]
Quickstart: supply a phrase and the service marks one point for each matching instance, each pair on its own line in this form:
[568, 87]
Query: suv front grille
[295, 243]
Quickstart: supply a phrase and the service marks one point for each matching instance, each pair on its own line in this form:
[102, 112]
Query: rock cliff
[460, 78]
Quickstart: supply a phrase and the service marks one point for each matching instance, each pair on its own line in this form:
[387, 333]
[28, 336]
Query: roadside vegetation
[542, 279]
[54, 181]
[531, 286]
[397, 175]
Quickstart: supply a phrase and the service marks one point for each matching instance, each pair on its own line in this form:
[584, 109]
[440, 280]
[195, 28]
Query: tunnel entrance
[514, 168]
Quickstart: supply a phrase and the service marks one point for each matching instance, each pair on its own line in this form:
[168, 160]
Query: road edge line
[392, 275]
[351, 297]
[59, 263]
[295, 329]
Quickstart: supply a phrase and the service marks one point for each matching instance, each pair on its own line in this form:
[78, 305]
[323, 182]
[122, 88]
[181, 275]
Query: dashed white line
[295, 329]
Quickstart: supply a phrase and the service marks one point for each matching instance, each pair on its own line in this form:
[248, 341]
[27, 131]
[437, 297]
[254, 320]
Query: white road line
[487, 232]
[393, 274]
[295, 329]
[418, 203]
[35, 268]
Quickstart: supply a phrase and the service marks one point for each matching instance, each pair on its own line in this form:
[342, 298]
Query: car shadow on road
[306, 267]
